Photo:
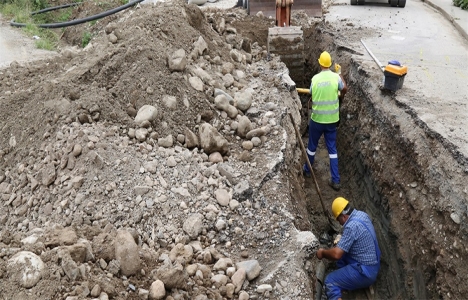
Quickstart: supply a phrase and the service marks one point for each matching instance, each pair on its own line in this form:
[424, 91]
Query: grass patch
[45, 44]
[65, 14]
[20, 12]
[87, 36]
[47, 39]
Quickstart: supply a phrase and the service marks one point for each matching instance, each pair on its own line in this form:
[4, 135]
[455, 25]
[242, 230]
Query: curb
[449, 18]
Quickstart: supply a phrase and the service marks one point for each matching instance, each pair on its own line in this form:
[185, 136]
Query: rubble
[130, 175]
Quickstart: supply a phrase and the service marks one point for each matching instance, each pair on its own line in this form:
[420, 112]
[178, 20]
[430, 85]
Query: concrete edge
[449, 18]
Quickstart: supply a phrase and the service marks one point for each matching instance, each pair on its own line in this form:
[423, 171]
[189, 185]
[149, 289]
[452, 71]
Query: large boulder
[26, 268]
[191, 139]
[193, 225]
[245, 125]
[126, 252]
[157, 290]
[243, 100]
[177, 61]
[212, 141]
[252, 268]
[146, 113]
[172, 278]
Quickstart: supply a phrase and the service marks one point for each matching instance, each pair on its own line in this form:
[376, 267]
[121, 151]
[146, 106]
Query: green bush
[40, 4]
[30, 5]
[87, 36]
[463, 4]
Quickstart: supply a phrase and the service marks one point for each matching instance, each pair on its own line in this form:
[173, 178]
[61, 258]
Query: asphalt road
[435, 53]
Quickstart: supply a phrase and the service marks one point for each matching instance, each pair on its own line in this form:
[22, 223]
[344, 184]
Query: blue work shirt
[357, 241]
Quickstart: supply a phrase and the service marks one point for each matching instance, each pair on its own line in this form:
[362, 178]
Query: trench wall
[411, 183]
[407, 177]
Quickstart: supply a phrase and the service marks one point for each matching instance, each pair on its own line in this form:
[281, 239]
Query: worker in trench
[328, 89]
[357, 253]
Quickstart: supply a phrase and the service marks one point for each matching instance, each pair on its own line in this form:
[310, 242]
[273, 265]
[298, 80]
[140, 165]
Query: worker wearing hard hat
[357, 252]
[325, 87]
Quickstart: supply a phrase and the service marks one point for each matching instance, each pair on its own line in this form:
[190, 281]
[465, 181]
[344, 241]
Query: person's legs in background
[315, 132]
[330, 140]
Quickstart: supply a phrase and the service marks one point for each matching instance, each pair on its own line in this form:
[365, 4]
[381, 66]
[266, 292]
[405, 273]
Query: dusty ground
[77, 180]
[15, 46]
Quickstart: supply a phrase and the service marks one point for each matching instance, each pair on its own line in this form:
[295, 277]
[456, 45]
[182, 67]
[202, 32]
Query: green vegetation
[20, 12]
[463, 4]
[65, 15]
[87, 36]
[46, 39]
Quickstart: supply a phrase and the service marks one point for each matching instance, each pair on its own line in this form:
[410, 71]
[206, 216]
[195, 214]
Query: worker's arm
[342, 86]
[345, 86]
[344, 89]
[309, 104]
[334, 253]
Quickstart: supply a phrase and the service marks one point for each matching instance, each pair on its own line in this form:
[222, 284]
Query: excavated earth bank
[97, 205]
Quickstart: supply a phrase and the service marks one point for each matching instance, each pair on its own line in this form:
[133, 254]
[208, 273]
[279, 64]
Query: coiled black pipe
[74, 22]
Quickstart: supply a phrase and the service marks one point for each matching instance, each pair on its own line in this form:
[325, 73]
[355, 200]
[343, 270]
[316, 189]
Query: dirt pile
[151, 164]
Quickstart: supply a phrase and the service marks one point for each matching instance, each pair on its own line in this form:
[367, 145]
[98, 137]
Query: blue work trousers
[349, 276]
[329, 132]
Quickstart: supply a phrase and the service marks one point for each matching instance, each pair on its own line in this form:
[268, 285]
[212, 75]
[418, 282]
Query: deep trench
[363, 190]
[378, 159]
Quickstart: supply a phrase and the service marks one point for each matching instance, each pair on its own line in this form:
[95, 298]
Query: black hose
[78, 21]
[54, 8]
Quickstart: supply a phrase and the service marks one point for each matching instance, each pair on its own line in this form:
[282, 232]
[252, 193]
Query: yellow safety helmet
[338, 205]
[325, 59]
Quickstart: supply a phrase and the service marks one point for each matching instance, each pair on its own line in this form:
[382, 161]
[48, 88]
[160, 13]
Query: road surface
[435, 53]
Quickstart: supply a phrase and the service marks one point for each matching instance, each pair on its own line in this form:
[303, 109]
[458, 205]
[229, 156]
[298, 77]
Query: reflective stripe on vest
[325, 104]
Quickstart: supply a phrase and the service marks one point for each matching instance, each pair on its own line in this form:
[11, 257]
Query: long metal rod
[373, 56]
[325, 211]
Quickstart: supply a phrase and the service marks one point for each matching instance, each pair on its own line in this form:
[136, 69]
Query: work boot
[334, 185]
[305, 173]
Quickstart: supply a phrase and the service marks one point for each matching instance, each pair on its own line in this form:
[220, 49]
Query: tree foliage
[463, 4]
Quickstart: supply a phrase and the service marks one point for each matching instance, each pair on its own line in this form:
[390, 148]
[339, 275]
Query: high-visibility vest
[325, 104]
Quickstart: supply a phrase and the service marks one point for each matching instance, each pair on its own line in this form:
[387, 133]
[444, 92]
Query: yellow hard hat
[325, 59]
[338, 205]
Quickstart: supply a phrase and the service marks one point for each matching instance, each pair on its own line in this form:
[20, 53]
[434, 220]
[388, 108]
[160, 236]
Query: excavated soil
[73, 173]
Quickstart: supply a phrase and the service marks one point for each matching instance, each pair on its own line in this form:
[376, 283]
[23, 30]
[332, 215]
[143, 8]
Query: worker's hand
[337, 69]
[319, 253]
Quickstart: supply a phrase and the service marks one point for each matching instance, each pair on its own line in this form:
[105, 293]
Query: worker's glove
[337, 69]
